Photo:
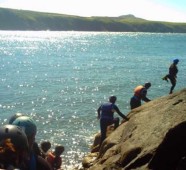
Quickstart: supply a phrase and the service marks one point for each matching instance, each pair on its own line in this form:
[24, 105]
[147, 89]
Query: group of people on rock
[19, 150]
[106, 110]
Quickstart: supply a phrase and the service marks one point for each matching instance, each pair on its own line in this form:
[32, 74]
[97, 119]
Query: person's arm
[121, 114]
[146, 99]
[99, 112]
[144, 95]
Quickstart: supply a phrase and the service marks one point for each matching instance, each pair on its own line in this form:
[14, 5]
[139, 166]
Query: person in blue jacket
[106, 116]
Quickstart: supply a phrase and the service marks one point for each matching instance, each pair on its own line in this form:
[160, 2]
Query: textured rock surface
[153, 136]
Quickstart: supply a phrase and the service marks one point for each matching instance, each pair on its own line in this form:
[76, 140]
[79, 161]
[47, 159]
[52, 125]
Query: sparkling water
[61, 78]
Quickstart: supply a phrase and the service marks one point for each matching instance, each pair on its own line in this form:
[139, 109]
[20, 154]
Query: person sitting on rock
[106, 116]
[140, 93]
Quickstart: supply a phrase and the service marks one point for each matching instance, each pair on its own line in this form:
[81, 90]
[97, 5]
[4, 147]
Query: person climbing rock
[140, 93]
[106, 116]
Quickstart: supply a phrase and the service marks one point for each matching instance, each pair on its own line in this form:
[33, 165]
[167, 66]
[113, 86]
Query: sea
[60, 78]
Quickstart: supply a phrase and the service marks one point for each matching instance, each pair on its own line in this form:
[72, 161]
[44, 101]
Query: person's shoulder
[138, 88]
[105, 104]
[172, 65]
[143, 91]
[114, 105]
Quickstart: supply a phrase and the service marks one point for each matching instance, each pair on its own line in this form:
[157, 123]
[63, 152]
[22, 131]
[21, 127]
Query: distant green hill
[11, 19]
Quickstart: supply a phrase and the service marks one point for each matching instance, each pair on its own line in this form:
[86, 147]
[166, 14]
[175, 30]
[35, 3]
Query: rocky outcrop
[153, 138]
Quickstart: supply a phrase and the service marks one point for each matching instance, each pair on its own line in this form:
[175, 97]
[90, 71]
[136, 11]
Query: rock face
[154, 138]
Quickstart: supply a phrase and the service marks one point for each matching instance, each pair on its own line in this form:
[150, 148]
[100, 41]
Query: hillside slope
[11, 19]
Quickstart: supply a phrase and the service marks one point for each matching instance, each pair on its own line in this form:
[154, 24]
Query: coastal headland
[24, 20]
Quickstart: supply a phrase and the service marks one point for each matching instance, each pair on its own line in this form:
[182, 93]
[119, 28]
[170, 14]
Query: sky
[155, 10]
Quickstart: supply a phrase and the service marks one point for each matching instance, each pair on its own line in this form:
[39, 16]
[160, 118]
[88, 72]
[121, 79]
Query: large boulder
[153, 138]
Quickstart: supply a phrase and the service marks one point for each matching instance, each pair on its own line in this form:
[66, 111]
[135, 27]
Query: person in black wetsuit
[106, 116]
[173, 70]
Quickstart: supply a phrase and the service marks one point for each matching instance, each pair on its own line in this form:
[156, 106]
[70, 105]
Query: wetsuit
[173, 70]
[140, 93]
[107, 117]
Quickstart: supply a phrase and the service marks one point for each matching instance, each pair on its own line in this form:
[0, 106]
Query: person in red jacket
[54, 158]
[140, 93]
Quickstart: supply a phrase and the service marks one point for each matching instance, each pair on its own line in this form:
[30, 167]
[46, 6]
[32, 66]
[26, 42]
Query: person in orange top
[54, 158]
[140, 93]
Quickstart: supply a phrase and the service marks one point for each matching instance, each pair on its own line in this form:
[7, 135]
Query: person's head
[13, 146]
[45, 146]
[59, 150]
[112, 99]
[14, 117]
[176, 61]
[147, 85]
[29, 127]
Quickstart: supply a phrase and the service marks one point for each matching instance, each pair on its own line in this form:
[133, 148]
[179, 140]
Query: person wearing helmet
[28, 126]
[14, 117]
[173, 70]
[35, 162]
[13, 147]
[140, 93]
[106, 116]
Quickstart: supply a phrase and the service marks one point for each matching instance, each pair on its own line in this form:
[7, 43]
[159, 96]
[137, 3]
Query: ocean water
[61, 78]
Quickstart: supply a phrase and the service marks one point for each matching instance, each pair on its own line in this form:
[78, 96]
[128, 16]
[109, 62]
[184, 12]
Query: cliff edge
[153, 138]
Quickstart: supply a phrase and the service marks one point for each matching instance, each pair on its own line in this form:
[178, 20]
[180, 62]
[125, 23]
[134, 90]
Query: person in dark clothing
[173, 70]
[36, 149]
[45, 146]
[106, 116]
[140, 93]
